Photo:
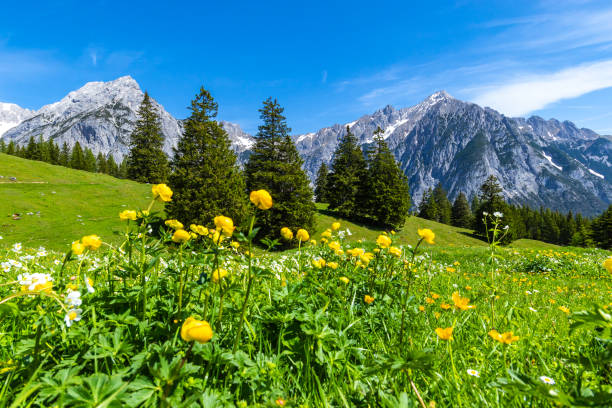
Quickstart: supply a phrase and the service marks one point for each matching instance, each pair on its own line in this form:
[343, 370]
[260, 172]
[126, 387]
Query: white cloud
[532, 92]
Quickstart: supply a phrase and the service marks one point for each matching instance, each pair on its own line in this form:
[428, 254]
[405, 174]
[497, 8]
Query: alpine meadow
[452, 252]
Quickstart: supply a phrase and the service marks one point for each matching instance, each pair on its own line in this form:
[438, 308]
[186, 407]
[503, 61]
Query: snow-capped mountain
[538, 162]
[11, 115]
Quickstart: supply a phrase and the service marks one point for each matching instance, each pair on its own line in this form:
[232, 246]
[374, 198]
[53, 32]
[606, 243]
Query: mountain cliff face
[538, 162]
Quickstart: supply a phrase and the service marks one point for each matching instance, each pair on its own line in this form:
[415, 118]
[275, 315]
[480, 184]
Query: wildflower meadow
[209, 316]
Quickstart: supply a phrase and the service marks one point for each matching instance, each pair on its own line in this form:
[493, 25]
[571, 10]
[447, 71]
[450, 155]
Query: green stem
[248, 291]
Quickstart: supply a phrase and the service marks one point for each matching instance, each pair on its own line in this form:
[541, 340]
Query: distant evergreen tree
[602, 229]
[147, 162]
[321, 184]
[101, 166]
[123, 170]
[43, 150]
[10, 149]
[388, 192]
[428, 208]
[206, 179]
[461, 213]
[111, 167]
[77, 159]
[65, 155]
[89, 161]
[52, 151]
[491, 201]
[32, 151]
[276, 166]
[443, 204]
[348, 178]
[2, 146]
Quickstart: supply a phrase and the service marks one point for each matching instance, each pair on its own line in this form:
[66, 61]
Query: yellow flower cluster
[128, 215]
[261, 199]
[174, 224]
[608, 264]
[383, 241]
[506, 338]
[180, 236]
[302, 235]
[225, 225]
[196, 330]
[199, 229]
[286, 233]
[445, 334]
[91, 242]
[461, 302]
[161, 192]
[218, 274]
[427, 235]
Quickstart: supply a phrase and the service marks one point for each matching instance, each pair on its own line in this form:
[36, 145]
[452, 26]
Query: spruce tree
[2, 146]
[206, 179]
[122, 173]
[348, 178]
[101, 166]
[321, 184]
[77, 159]
[388, 192]
[10, 149]
[276, 166]
[602, 229]
[147, 162]
[428, 208]
[65, 155]
[111, 167]
[443, 204]
[89, 161]
[53, 151]
[461, 212]
[32, 151]
[491, 201]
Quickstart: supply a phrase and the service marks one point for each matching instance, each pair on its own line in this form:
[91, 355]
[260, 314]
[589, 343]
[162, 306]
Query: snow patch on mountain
[547, 157]
[593, 172]
[12, 115]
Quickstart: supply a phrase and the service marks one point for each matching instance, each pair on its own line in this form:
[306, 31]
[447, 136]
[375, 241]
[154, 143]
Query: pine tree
[443, 204]
[2, 146]
[89, 161]
[276, 166]
[428, 208]
[111, 167]
[602, 229]
[206, 179]
[101, 166]
[53, 151]
[65, 155]
[10, 149]
[388, 192]
[461, 212]
[32, 151]
[348, 178]
[43, 151]
[147, 162]
[77, 158]
[321, 184]
[491, 201]
[122, 173]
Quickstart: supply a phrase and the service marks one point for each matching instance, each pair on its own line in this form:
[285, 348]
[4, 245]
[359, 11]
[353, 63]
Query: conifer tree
[77, 158]
[111, 167]
[443, 204]
[65, 155]
[10, 149]
[122, 173]
[461, 212]
[276, 166]
[206, 179]
[101, 166]
[348, 178]
[89, 161]
[53, 151]
[428, 208]
[491, 201]
[602, 229]
[32, 151]
[2, 146]
[147, 162]
[321, 184]
[388, 192]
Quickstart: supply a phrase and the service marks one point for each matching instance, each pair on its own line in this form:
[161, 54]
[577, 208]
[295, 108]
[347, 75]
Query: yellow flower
[261, 199]
[161, 192]
[427, 235]
[345, 280]
[368, 299]
[318, 263]
[77, 248]
[461, 302]
[334, 245]
[326, 234]
[333, 265]
[91, 242]
[422, 308]
[128, 215]
[430, 300]
[174, 224]
[198, 330]
[218, 274]
[198, 229]
[435, 295]
[235, 244]
[302, 235]
[445, 306]
[225, 224]
[395, 251]
[366, 258]
[335, 226]
[445, 334]
[313, 242]
[180, 236]
[564, 309]
[450, 269]
[286, 233]
[355, 252]
[392, 232]
[608, 264]
[383, 241]
[506, 338]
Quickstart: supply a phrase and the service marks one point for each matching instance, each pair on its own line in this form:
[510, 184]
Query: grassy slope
[61, 194]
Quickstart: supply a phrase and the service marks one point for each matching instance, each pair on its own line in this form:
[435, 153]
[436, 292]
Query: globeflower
[608, 264]
[302, 235]
[445, 334]
[174, 224]
[335, 226]
[77, 248]
[161, 192]
[427, 235]
[180, 236]
[506, 338]
[218, 274]
[91, 242]
[344, 279]
[261, 199]
[326, 234]
[196, 330]
[333, 265]
[286, 233]
[368, 299]
[383, 241]
[334, 245]
[225, 224]
[199, 229]
[395, 251]
[128, 215]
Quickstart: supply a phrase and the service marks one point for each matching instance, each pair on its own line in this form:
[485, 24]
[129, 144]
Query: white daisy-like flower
[5, 266]
[41, 253]
[57, 262]
[473, 372]
[506, 227]
[73, 298]
[485, 213]
[348, 232]
[498, 214]
[547, 380]
[532, 309]
[73, 315]
[16, 247]
[1, 237]
[89, 285]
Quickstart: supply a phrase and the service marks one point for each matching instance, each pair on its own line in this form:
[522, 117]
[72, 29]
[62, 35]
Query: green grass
[61, 195]
[532, 244]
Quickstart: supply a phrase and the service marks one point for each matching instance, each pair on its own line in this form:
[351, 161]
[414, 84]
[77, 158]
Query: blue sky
[327, 62]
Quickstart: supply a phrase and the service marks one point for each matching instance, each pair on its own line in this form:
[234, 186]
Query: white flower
[485, 213]
[34, 281]
[473, 373]
[57, 262]
[74, 298]
[16, 247]
[1, 237]
[5, 266]
[89, 285]
[527, 292]
[41, 252]
[506, 227]
[73, 315]
[348, 232]
[547, 380]
[498, 214]
[532, 309]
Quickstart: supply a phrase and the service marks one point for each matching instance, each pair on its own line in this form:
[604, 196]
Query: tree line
[542, 224]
